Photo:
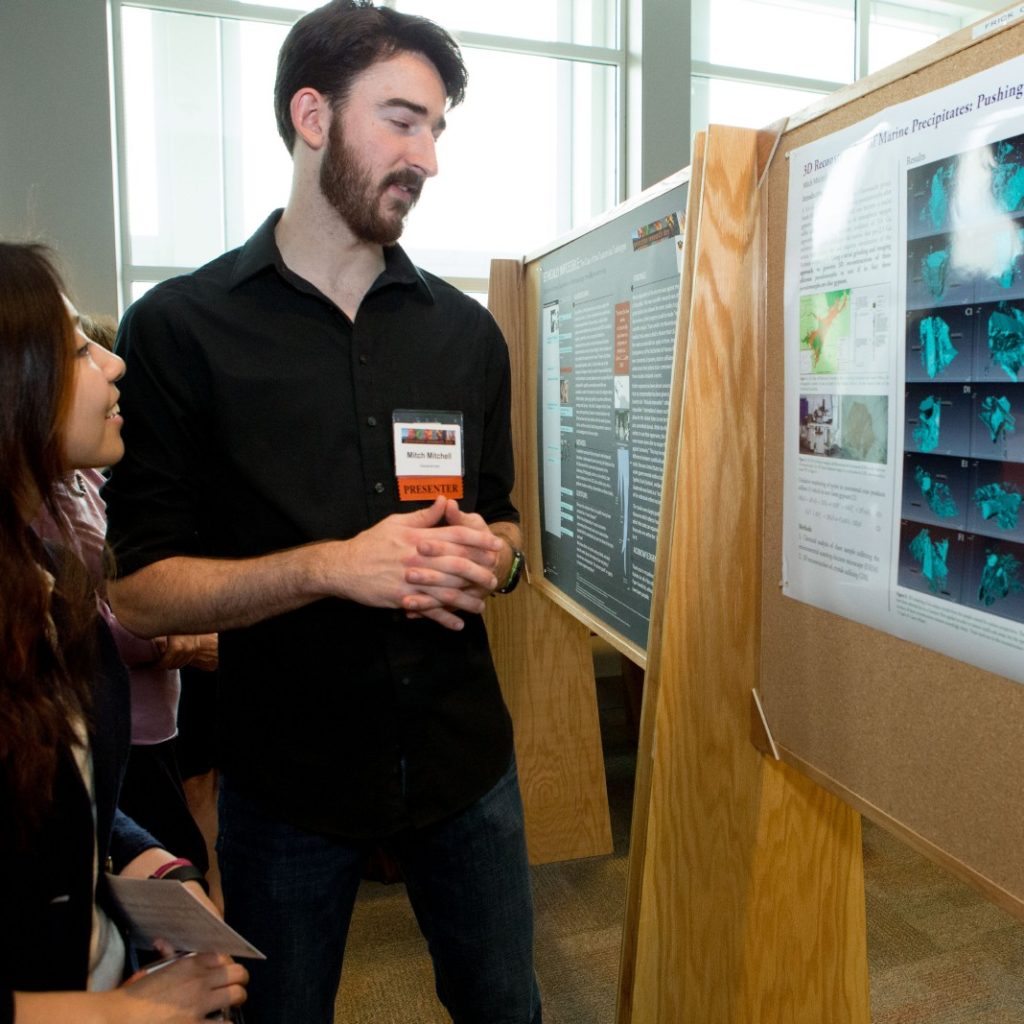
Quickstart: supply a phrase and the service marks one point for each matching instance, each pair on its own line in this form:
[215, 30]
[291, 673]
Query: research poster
[904, 369]
[609, 307]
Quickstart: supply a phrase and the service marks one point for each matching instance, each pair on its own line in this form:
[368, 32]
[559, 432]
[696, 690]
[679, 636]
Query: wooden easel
[746, 898]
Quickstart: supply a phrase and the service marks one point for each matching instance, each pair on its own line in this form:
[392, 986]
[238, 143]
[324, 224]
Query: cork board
[927, 746]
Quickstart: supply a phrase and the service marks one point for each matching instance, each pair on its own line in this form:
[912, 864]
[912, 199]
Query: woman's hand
[181, 991]
[199, 651]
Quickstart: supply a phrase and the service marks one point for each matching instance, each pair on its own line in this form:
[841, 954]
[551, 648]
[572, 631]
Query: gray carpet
[938, 953]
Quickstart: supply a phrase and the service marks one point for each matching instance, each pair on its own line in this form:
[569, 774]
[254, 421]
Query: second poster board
[605, 302]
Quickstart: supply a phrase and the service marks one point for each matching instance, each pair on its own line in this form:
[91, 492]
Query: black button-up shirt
[257, 418]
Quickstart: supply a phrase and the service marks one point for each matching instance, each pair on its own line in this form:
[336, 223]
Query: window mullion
[705, 69]
[862, 36]
[232, 169]
[123, 230]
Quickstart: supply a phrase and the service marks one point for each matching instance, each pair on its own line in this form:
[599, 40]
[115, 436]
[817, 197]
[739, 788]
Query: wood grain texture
[927, 746]
[542, 655]
[750, 904]
[965, 872]
[594, 624]
[648, 712]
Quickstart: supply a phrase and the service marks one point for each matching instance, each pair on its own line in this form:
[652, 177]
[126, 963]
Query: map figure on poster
[823, 320]
[937, 351]
[999, 578]
[931, 556]
[937, 493]
[934, 268]
[1000, 503]
[995, 414]
[1006, 339]
[926, 433]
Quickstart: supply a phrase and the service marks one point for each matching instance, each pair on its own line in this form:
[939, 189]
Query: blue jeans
[291, 893]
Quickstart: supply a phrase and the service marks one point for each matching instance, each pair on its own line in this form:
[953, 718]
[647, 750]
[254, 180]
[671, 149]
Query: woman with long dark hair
[64, 715]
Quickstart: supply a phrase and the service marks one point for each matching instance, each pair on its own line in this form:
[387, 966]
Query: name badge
[428, 454]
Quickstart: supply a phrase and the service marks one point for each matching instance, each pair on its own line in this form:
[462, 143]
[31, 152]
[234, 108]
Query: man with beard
[274, 403]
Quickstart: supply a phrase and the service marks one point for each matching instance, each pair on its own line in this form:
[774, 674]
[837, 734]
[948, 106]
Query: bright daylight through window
[537, 149]
[816, 46]
[532, 151]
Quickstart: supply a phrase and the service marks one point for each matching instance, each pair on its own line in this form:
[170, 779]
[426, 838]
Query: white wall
[56, 163]
[660, 30]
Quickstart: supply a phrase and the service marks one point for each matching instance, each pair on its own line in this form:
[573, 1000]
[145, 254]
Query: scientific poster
[904, 366]
[609, 307]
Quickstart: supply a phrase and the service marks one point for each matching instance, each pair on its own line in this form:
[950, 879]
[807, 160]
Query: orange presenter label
[426, 488]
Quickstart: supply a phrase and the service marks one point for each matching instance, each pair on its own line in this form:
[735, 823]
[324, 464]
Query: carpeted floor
[938, 952]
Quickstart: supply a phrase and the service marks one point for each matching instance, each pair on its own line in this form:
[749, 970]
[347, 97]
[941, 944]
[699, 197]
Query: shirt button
[378, 487]
[406, 680]
[363, 360]
[371, 421]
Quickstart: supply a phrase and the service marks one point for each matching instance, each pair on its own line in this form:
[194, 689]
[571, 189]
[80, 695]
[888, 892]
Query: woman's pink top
[155, 691]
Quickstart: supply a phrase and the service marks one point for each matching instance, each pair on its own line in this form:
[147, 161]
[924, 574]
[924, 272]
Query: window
[896, 30]
[533, 151]
[202, 161]
[517, 170]
[813, 49]
[589, 23]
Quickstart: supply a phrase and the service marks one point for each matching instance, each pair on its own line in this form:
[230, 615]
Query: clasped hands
[432, 563]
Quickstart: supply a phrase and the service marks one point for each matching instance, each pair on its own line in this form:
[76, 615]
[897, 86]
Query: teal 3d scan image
[1000, 577]
[936, 493]
[937, 351]
[926, 433]
[1006, 339]
[1007, 178]
[997, 416]
[934, 268]
[931, 557]
[999, 504]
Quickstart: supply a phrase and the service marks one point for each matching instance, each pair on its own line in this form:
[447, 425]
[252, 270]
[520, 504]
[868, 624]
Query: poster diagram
[961, 528]
[904, 466]
[609, 307]
[824, 329]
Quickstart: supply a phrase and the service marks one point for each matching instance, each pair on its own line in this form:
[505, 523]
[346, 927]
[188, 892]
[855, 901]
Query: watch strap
[515, 571]
[186, 873]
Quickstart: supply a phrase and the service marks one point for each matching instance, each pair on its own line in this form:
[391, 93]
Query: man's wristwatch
[514, 572]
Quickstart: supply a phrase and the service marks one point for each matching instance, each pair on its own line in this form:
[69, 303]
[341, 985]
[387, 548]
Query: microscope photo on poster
[609, 308]
[904, 321]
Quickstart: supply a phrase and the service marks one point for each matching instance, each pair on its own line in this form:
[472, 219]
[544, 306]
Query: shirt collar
[261, 251]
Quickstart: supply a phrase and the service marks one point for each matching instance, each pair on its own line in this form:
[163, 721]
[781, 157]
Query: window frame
[930, 10]
[132, 275]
